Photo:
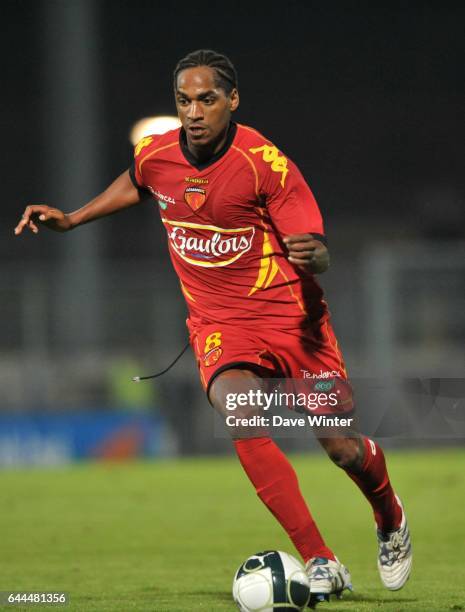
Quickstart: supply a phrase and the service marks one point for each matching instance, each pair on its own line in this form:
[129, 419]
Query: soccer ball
[271, 580]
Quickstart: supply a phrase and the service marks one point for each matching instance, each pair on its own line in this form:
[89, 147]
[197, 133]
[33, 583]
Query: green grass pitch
[168, 536]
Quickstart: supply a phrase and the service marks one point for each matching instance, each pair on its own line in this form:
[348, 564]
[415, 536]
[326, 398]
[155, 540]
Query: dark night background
[367, 98]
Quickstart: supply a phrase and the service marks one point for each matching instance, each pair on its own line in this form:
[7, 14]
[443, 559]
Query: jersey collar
[201, 166]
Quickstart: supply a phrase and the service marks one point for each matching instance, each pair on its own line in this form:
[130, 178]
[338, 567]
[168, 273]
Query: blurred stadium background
[367, 99]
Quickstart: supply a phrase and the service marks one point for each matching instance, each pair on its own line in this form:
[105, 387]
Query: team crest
[212, 350]
[195, 197]
[212, 356]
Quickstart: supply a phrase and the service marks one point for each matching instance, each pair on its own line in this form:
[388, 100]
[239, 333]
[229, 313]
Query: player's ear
[233, 100]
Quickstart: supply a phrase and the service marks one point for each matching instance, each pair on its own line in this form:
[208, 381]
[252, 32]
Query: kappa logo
[144, 142]
[278, 162]
[195, 197]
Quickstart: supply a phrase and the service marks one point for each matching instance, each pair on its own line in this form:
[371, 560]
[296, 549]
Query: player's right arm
[121, 194]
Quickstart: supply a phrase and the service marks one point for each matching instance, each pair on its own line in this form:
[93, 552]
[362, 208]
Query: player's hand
[309, 254]
[40, 214]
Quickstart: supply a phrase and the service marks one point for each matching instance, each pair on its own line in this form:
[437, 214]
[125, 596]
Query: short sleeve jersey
[225, 221]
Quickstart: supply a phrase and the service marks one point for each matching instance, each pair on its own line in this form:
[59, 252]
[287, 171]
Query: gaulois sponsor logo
[195, 197]
[208, 246]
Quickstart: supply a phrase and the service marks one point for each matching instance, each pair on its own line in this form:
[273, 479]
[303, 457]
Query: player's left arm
[307, 252]
[295, 214]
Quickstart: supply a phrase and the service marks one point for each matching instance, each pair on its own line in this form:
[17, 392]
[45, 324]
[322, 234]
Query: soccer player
[246, 238]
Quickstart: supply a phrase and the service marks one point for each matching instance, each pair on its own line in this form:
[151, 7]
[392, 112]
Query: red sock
[276, 484]
[373, 481]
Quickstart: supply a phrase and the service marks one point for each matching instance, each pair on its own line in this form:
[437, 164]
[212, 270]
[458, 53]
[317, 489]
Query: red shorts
[312, 353]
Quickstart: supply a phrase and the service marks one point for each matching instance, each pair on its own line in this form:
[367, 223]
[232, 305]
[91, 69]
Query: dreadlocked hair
[225, 73]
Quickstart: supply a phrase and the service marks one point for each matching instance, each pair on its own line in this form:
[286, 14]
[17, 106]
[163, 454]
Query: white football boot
[327, 577]
[395, 555]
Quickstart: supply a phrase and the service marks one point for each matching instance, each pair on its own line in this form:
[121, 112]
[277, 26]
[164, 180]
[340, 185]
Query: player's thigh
[311, 353]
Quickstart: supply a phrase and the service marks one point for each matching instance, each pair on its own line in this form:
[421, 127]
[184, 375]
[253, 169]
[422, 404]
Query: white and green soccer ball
[271, 580]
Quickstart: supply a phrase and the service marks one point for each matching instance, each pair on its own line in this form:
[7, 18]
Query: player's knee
[246, 422]
[346, 455]
[226, 389]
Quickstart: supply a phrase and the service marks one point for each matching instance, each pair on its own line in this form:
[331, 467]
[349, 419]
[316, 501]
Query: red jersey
[225, 220]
